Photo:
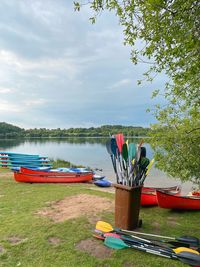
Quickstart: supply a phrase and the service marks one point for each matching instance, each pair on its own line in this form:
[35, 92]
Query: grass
[19, 203]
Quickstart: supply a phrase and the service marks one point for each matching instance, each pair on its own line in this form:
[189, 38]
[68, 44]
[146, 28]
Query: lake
[89, 152]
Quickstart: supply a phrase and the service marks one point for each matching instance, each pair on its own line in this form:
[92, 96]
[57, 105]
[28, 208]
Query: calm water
[87, 152]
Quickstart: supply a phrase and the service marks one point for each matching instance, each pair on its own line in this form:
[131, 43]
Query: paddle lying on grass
[190, 240]
[133, 240]
[188, 257]
[145, 242]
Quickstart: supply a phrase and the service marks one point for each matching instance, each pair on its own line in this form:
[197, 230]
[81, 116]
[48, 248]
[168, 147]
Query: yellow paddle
[149, 166]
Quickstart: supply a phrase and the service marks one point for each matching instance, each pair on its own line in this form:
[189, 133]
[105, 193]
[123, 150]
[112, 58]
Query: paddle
[106, 227]
[184, 256]
[120, 141]
[147, 171]
[108, 147]
[134, 181]
[131, 151]
[117, 243]
[116, 153]
[125, 158]
[133, 240]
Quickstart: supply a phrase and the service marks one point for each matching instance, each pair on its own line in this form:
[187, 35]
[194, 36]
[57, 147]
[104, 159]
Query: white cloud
[120, 84]
[58, 70]
[7, 107]
[4, 90]
[35, 102]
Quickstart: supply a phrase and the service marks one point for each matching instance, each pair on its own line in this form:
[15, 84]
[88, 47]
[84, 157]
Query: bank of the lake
[89, 152]
[28, 237]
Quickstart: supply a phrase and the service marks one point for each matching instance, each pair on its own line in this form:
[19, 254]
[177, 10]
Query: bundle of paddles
[129, 160]
[184, 248]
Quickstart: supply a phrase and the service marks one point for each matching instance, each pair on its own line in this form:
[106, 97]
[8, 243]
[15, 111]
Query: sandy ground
[76, 206]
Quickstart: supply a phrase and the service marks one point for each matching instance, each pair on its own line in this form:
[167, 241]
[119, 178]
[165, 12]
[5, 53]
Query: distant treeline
[11, 131]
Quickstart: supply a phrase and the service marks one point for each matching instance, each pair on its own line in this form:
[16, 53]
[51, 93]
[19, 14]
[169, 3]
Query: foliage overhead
[169, 41]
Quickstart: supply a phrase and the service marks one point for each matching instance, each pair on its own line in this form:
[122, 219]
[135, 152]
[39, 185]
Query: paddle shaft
[140, 233]
[184, 256]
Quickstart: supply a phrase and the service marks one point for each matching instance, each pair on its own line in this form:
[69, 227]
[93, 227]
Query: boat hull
[103, 183]
[170, 201]
[56, 178]
[149, 197]
[51, 172]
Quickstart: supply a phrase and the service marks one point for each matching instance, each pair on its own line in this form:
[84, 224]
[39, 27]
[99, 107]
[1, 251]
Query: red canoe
[169, 201]
[149, 198]
[53, 178]
[49, 172]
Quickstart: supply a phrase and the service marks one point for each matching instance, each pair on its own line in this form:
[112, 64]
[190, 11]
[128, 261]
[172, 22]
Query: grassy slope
[19, 201]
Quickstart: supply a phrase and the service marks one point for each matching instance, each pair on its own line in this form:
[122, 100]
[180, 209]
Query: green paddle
[131, 151]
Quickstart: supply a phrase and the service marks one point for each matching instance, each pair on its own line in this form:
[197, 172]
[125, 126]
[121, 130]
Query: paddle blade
[143, 152]
[189, 258]
[192, 240]
[115, 243]
[108, 147]
[184, 249]
[131, 151]
[138, 153]
[114, 146]
[125, 151]
[112, 234]
[120, 141]
[104, 227]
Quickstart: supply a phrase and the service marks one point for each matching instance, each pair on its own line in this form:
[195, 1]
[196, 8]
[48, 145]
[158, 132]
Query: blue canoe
[103, 183]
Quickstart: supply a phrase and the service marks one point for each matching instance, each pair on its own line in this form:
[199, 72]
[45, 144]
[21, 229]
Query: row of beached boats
[170, 197]
[11, 159]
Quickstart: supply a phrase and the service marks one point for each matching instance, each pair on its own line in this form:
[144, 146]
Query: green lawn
[19, 202]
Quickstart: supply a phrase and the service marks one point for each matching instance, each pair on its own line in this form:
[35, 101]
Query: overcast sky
[59, 70]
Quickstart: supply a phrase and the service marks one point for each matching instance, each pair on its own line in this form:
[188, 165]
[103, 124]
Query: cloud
[58, 70]
[121, 83]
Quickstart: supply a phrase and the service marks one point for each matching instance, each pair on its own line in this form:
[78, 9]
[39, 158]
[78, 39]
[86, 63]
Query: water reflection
[11, 143]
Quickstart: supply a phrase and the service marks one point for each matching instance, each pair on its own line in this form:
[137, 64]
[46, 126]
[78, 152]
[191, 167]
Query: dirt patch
[76, 206]
[94, 248]
[54, 240]
[16, 240]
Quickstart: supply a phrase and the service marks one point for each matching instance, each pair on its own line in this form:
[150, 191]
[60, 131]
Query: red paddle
[120, 141]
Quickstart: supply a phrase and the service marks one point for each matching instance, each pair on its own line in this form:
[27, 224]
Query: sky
[60, 71]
